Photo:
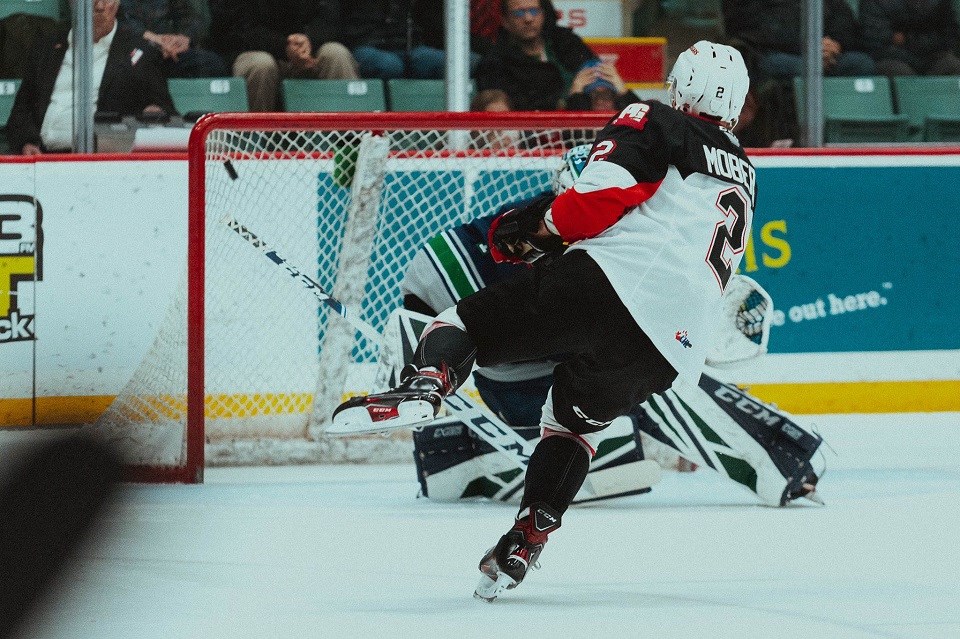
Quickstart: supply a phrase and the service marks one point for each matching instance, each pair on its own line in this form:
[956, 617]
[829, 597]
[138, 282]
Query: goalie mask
[710, 80]
[573, 162]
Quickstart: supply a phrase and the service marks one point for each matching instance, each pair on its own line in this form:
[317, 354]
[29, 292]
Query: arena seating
[857, 110]
[195, 96]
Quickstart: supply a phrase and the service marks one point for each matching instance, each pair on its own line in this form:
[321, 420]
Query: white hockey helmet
[573, 162]
[709, 79]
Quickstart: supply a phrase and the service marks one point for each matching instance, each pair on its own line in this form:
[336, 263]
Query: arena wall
[857, 249]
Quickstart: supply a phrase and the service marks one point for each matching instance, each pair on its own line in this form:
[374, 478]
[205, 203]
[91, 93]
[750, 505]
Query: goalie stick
[308, 282]
[486, 426]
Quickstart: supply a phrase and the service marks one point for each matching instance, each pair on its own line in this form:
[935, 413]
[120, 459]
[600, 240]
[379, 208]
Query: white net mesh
[273, 370]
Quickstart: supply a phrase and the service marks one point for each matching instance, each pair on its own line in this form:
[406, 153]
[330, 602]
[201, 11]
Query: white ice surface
[348, 551]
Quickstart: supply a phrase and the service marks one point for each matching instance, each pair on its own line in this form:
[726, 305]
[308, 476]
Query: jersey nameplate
[729, 166]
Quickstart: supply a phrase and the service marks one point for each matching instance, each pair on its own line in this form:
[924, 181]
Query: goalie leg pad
[721, 427]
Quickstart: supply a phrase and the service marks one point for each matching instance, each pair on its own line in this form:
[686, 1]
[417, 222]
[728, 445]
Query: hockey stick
[483, 423]
[309, 283]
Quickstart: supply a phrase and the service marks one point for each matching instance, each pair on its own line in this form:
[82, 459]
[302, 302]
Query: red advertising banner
[640, 61]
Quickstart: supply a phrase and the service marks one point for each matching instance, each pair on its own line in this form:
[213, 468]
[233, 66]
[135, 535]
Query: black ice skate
[414, 402]
[506, 564]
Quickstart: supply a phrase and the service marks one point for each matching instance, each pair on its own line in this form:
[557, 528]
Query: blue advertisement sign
[859, 258]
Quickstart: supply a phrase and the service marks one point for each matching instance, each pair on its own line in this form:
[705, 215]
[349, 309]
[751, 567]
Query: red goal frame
[192, 469]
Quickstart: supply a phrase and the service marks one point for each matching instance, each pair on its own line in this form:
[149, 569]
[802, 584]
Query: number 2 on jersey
[730, 233]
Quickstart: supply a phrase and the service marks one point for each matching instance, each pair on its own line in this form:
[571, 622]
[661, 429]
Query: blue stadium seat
[45, 8]
[932, 103]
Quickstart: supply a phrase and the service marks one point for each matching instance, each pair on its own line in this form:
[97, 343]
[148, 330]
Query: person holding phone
[597, 86]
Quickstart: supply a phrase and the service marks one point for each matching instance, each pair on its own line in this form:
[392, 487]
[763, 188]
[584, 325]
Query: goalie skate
[413, 403]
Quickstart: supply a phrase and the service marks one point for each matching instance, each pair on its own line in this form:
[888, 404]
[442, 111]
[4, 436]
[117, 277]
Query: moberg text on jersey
[729, 166]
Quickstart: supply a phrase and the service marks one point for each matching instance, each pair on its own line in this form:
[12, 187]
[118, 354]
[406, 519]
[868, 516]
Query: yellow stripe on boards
[57, 411]
[798, 398]
[927, 396]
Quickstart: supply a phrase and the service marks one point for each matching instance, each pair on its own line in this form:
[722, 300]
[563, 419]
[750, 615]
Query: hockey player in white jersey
[646, 240]
[715, 425]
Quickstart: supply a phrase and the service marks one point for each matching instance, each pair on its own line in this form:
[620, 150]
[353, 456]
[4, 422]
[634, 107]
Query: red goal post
[247, 365]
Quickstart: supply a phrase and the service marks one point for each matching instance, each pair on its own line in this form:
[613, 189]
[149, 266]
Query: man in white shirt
[126, 80]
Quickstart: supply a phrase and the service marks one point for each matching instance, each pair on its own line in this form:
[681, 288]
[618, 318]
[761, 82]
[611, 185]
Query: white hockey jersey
[664, 206]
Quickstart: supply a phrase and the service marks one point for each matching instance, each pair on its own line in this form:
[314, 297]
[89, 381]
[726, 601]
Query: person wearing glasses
[533, 61]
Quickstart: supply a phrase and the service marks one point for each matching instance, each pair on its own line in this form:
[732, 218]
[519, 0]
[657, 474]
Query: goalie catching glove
[519, 235]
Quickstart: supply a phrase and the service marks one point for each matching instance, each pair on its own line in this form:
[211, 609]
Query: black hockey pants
[568, 310]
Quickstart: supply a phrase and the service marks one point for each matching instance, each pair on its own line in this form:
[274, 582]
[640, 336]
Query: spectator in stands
[772, 28]
[484, 16]
[768, 117]
[176, 28]
[267, 41]
[493, 101]
[911, 37]
[599, 87]
[484, 24]
[19, 33]
[127, 80]
[386, 37]
[534, 61]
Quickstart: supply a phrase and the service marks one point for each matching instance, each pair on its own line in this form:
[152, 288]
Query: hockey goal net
[248, 365]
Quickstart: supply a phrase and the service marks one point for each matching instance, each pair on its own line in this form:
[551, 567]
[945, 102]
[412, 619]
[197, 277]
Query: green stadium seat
[45, 8]
[419, 95]
[8, 92]
[334, 95]
[932, 103]
[195, 96]
[857, 110]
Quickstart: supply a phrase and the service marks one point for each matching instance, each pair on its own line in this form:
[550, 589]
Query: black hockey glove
[514, 236]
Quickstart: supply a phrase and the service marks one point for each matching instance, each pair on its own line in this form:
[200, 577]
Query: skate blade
[489, 589]
[357, 420]
[815, 497]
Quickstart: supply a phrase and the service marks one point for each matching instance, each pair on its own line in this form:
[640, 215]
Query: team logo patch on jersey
[681, 336]
[635, 115]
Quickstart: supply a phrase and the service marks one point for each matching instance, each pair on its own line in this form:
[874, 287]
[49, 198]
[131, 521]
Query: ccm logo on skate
[380, 413]
[681, 337]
